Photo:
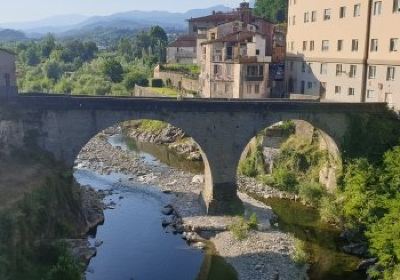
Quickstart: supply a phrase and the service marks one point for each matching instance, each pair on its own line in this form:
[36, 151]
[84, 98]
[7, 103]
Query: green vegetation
[241, 227]
[300, 256]
[192, 70]
[170, 92]
[79, 67]
[253, 165]
[296, 169]
[28, 231]
[151, 126]
[366, 202]
[272, 10]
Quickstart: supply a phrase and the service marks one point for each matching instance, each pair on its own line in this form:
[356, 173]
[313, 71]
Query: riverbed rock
[364, 265]
[199, 245]
[167, 210]
[357, 249]
[98, 243]
[198, 179]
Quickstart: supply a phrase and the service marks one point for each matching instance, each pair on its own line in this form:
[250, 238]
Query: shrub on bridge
[157, 83]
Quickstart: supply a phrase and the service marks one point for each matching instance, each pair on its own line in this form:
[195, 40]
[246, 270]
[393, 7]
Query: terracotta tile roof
[184, 42]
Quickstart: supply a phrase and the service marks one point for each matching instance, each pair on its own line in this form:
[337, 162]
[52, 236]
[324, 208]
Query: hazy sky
[24, 10]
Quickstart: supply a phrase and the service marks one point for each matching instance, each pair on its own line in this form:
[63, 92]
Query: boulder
[198, 179]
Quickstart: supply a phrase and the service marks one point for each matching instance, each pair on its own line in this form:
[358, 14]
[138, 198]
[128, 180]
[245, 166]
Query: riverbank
[44, 217]
[266, 254]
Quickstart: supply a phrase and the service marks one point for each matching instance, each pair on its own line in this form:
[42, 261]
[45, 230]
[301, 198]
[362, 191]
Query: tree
[125, 48]
[159, 42]
[48, 44]
[113, 70]
[272, 10]
[31, 56]
[53, 70]
[135, 78]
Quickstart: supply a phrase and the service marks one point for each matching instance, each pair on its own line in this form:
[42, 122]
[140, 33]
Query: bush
[253, 222]
[311, 193]
[239, 229]
[330, 210]
[157, 83]
[135, 78]
[285, 180]
[253, 165]
[267, 180]
[300, 256]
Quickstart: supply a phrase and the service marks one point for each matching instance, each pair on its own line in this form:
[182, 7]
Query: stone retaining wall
[178, 80]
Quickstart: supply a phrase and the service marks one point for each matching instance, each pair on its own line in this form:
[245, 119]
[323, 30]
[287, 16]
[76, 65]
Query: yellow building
[344, 50]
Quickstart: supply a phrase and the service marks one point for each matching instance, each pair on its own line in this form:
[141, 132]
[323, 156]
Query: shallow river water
[134, 244]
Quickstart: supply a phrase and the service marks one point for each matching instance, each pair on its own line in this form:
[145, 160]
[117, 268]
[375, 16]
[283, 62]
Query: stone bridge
[62, 125]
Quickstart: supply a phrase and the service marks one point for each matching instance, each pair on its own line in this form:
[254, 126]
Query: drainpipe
[366, 55]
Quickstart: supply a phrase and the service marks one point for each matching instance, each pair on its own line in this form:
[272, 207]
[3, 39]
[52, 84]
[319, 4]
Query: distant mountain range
[71, 25]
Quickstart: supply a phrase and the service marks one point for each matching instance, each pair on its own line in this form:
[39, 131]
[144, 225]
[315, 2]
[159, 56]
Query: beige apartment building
[234, 63]
[8, 80]
[344, 50]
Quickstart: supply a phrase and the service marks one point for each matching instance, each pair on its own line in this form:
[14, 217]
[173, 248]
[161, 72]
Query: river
[137, 247]
[134, 245]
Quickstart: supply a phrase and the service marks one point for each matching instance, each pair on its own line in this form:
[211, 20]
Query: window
[227, 88]
[354, 45]
[304, 45]
[324, 69]
[306, 17]
[325, 45]
[351, 91]
[249, 88]
[303, 67]
[212, 36]
[342, 13]
[357, 10]
[396, 6]
[340, 45]
[294, 20]
[390, 73]
[309, 85]
[255, 71]
[327, 14]
[291, 66]
[314, 16]
[394, 44]
[370, 93]
[374, 45]
[339, 69]
[257, 89]
[312, 45]
[309, 68]
[353, 71]
[338, 90]
[371, 72]
[303, 87]
[257, 52]
[377, 8]
[292, 46]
